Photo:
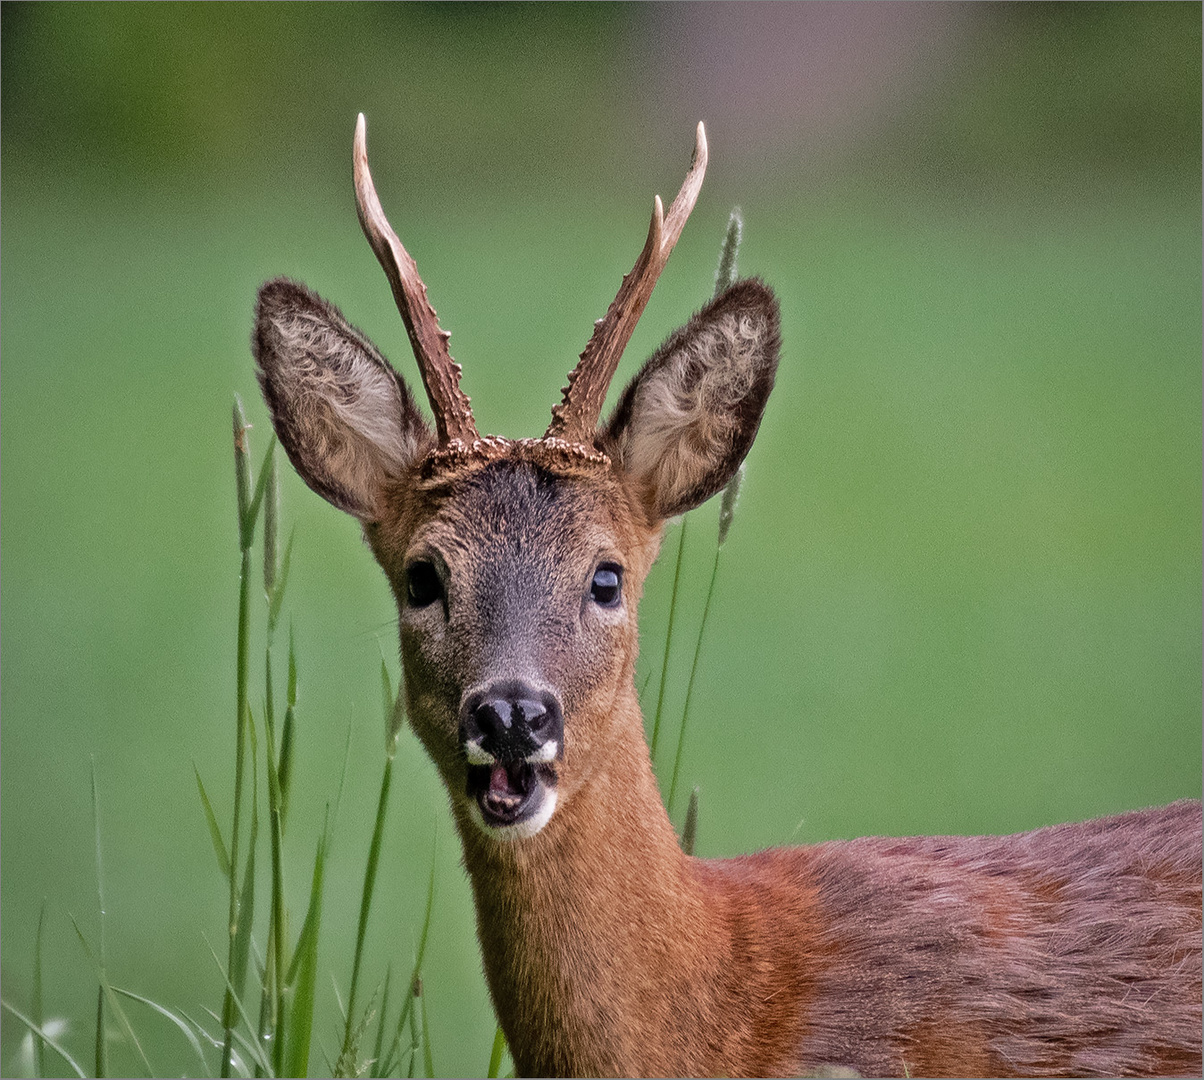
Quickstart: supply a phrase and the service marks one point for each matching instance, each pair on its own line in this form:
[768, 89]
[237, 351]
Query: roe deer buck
[517, 567]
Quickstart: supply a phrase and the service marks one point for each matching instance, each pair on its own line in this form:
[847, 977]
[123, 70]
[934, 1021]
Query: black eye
[607, 586]
[422, 583]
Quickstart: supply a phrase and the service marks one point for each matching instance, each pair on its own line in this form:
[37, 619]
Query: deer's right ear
[344, 416]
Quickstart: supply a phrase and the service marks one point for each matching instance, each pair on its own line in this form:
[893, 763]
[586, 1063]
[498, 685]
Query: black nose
[510, 721]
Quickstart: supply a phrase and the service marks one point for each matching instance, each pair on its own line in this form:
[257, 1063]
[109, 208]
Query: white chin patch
[547, 752]
[476, 755]
[520, 830]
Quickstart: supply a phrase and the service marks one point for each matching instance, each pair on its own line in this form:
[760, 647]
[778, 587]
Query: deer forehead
[524, 505]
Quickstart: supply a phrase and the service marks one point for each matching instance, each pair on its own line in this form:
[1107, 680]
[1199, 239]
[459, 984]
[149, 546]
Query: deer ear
[685, 422]
[343, 415]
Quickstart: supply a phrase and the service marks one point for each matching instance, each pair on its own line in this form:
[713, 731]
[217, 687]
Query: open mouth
[512, 793]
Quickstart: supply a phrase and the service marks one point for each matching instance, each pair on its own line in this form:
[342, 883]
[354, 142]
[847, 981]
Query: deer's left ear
[686, 421]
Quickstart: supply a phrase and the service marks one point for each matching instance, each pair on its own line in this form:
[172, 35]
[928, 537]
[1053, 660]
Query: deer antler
[576, 417]
[440, 373]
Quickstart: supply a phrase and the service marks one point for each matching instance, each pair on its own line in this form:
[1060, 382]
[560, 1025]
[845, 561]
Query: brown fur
[1052, 953]
[1072, 950]
[343, 415]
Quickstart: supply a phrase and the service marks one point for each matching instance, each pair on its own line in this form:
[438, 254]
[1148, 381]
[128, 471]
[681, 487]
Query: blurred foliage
[193, 88]
[1056, 91]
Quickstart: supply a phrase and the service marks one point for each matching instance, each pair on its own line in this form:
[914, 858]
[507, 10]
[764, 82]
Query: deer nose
[511, 721]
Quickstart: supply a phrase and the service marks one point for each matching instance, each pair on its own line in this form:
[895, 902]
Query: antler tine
[440, 373]
[576, 417]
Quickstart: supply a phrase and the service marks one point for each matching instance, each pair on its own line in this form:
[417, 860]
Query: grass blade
[348, 1063]
[426, 917]
[242, 473]
[303, 972]
[274, 979]
[271, 518]
[202, 1031]
[415, 1037]
[428, 1064]
[378, 830]
[495, 1055]
[660, 694]
[727, 505]
[254, 1052]
[248, 501]
[246, 902]
[285, 768]
[406, 1009]
[338, 998]
[395, 711]
[379, 1044]
[107, 997]
[39, 1044]
[386, 689]
[273, 976]
[241, 721]
[269, 701]
[39, 1033]
[276, 596]
[100, 1049]
[240, 940]
[690, 833]
[174, 1017]
[248, 511]
[685, 712]
[726, 273]
[260, 485]
[215, 832]
[338, 794]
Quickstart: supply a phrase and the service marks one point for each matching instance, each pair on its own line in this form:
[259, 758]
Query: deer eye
[607, 585]
[423, 586]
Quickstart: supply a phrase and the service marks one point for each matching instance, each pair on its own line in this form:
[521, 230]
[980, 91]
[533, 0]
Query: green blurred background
[962, 591]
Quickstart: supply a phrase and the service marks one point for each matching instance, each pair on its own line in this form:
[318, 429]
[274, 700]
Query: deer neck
[599, 917]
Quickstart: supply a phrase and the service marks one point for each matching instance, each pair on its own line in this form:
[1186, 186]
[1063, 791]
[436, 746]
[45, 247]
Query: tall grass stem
[378, 830]
[303, 971]
[689, 833]
[660, 694]
[394, 1054]
[101, 1043]
[495, 1055]
[725, 274]
[101, 1053]
[246, 527]
[685, 712]
[39, 1043]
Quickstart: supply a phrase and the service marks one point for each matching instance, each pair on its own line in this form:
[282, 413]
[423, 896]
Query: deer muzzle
[512, 734]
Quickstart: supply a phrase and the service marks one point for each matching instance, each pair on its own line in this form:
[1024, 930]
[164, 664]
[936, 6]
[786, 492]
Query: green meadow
[961, 592]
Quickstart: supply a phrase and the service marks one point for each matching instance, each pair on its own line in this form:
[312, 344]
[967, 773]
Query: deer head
[517, 565]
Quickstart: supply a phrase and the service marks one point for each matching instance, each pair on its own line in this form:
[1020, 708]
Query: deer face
[517, 566]
[517, 580]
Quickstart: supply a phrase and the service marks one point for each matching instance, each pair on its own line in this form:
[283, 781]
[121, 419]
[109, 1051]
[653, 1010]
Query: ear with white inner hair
[345, 418]
[686, 421]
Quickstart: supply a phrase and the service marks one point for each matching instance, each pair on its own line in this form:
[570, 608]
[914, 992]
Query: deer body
[517, 567]
[1070, 951]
